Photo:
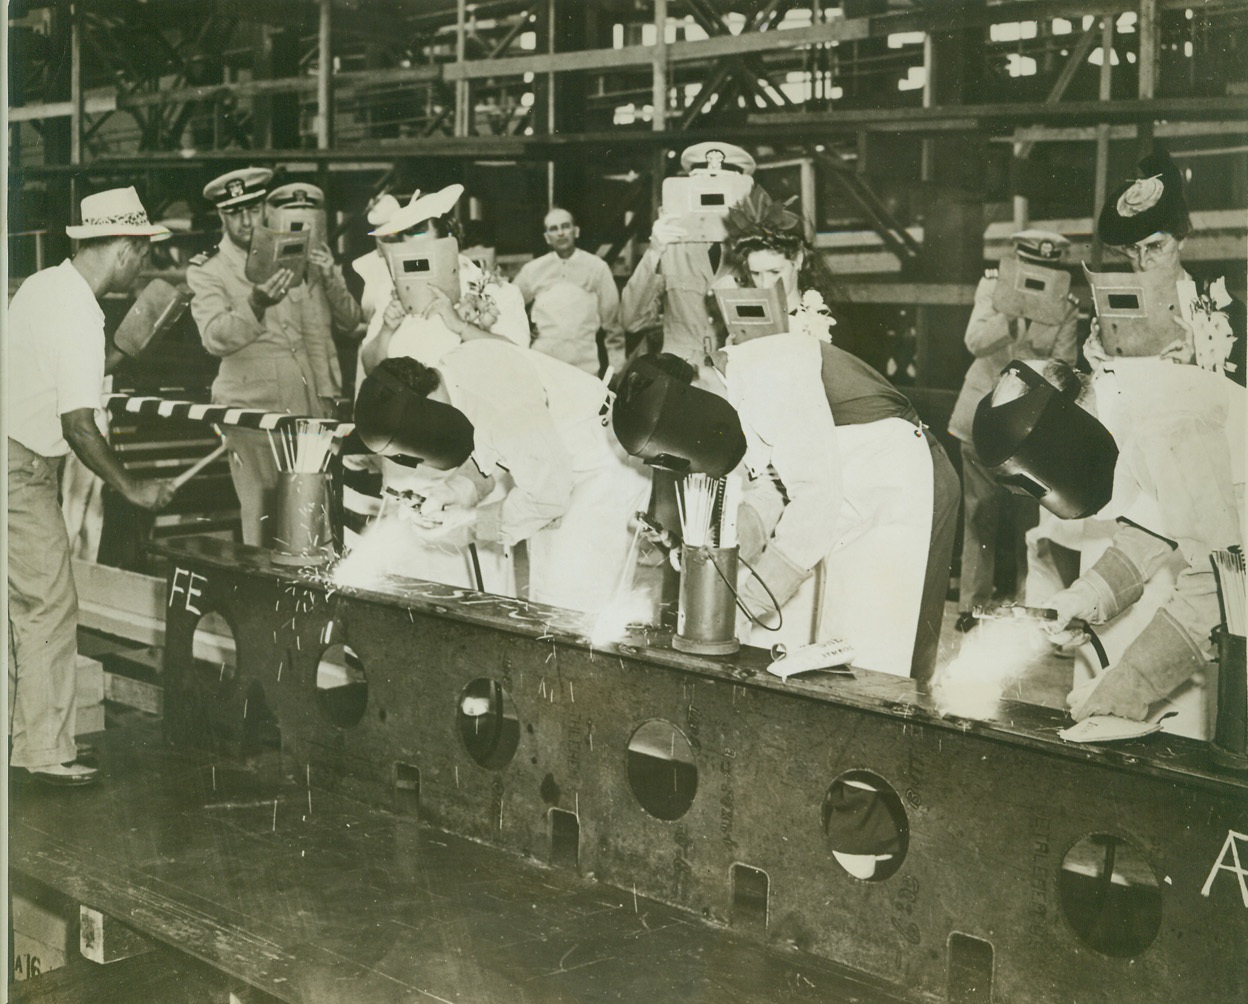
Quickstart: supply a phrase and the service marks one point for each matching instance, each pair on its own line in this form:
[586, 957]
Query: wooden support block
[133, 693]
[41, 931]
[103, 939]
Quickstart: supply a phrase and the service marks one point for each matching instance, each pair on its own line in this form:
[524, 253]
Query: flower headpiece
[758, 222]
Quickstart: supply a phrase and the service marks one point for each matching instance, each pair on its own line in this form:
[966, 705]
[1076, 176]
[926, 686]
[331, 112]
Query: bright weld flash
[992, 657]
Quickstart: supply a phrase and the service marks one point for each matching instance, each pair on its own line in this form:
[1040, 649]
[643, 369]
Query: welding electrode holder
[1010, 611]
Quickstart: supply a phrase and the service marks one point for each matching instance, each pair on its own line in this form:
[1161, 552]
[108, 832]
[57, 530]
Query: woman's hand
[394, 315]
[1093, 349]
[440, 306]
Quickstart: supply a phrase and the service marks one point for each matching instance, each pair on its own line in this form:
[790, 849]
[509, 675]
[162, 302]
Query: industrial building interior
[348, 833]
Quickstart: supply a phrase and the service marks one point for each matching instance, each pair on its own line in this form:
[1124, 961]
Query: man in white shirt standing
[58, 356]
[572, 296]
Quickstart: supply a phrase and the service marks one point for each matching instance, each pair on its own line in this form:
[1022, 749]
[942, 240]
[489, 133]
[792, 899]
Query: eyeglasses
[1154, 245]
[560, 228]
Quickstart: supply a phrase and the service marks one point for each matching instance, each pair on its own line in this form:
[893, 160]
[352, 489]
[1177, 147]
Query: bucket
[1230, 719]
[706, 617]
[303, 533]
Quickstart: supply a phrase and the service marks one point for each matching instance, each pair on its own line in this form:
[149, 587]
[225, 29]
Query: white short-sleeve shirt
[56, 357]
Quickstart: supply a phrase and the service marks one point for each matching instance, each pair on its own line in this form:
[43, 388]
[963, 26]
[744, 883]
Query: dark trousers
[946, 494]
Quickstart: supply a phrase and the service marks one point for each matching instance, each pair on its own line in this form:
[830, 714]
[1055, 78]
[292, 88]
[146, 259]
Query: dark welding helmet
[1044, 445]
[674, 426]
[395, 421]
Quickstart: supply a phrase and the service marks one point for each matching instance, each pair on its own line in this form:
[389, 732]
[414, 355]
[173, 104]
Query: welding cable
[476, 565]
[1086, 628]
[737, 596]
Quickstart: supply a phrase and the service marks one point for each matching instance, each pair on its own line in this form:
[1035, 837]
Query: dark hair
[446, 226]
[414, 375]
[813, 274]
[1069, 382]
[674, 366]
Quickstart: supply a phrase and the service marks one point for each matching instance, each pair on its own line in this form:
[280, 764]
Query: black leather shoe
[71, 776]
[966, 621]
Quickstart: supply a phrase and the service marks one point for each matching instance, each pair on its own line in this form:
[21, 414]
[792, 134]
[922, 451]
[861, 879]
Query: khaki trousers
[43, 615]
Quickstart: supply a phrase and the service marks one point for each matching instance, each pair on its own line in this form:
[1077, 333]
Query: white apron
[873, 576]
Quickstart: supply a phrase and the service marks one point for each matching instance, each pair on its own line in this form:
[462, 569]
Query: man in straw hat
[58, 357]
[264, 335]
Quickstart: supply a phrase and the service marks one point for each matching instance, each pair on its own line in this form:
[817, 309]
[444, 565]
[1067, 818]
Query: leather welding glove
[780, 576]
[1077, 602]
[1161, 658]
[455, 490]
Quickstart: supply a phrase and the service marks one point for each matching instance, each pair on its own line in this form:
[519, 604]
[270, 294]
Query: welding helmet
[395, 421]
[865, 828]
[674, 426]
[1044, 445]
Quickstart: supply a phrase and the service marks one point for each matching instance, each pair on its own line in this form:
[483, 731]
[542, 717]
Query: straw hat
[115, 213]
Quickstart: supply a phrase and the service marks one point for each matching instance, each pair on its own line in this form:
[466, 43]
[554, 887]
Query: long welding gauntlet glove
[777, 574]
[1161, 658]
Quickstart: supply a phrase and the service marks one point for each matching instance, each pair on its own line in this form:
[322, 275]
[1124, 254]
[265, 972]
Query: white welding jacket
[1180, 475]
[859, 505]
[543, 422]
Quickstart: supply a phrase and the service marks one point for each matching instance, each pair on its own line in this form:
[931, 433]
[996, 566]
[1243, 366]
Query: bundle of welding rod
[303, 446]
[1228, 570]
[708, 510]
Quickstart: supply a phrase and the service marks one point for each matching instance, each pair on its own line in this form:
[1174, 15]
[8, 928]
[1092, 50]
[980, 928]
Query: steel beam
[996, 813]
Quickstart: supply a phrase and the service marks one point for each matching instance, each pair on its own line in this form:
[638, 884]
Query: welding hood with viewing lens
[394, 421]
[674, 426]
[1044, 445]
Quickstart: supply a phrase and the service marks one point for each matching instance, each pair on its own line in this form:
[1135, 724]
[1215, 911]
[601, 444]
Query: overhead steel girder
[895, 236]
[996, 119]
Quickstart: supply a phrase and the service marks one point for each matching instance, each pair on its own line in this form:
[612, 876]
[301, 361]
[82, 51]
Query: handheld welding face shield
[394, 421]
[674, 426]
[702, 202]
[1044, 445]
[298, 219]
[419, 263]
[272, 250]
[155, 311]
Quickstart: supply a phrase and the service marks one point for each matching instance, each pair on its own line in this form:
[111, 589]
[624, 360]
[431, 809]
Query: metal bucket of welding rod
[1229, 720]
[304, 532]
[706, 617]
